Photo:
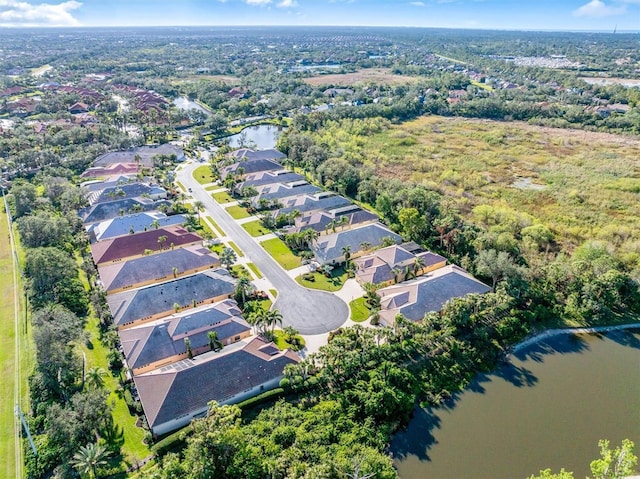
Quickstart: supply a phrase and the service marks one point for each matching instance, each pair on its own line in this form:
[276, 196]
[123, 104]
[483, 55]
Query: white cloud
[597, 8]
[287, 3]
[24, 14]
[258, 2]
[417, 4]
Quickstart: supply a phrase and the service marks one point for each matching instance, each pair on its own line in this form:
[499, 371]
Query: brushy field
[580, 184]
[367, 75]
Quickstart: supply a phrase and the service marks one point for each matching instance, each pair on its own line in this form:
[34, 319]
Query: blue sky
[487, 14]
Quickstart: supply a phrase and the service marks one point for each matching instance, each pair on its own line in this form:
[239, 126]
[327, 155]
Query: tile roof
[160, 265]
[246, 154]
[251, 166]
[275, 191]
[329, 247]
[307, 203]
[429, 293]
[133, 305]
[321, 220]
[130, 190]
[138, 222]
[267, 177]
[148, 344]
[110, 170]
[122, 247]
[187, 387]
[378, 266]
[111, 209]
[145, 153]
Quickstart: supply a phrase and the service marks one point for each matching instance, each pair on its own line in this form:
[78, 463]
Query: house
[325, 222]
[104, 211]
[128, 190]
[143, 305]
[132, 223]
[246, 154]
[142, 155]
[175, 394]
[78, 108]
[278, 191]
[122, 275]
[394, 264]
[261, 178]
[329, 249]
[111, 170]
[308, 203]
[139, 244]
[162, 342]
[413, 299]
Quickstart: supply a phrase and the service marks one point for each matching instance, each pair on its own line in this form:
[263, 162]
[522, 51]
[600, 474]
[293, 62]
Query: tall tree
[89, 458]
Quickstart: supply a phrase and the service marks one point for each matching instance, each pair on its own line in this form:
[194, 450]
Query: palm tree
[344, 221]
[273, 318]
[258, 319]
[95, 378]
[418, 264]
[396, 274]
[365, 246]
[187, 345]
[346, 251]
[162, 240]
[293, 215]
[89, 458]
[228, 257]
[243, 287]
[155, 224]
[199, 206]
[214, 343]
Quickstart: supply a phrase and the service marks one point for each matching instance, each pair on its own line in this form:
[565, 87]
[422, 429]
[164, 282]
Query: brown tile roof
[133, 245]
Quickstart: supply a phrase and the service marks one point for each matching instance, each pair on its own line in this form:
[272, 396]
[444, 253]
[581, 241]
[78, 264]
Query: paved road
[309, 311]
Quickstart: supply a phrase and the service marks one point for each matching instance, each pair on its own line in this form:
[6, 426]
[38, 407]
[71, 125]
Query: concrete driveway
[309, 311]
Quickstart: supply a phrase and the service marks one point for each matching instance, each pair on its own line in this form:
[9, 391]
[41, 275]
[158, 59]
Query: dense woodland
[344, 403]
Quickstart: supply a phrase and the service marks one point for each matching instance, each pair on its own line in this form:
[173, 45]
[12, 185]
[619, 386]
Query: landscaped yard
[333, 283]
[359, 310]
[281, 253]
[281, 342]
[222, 197]
[203, 175]
[212, 187]
[255, 228]
[255, 269]
[238, 212]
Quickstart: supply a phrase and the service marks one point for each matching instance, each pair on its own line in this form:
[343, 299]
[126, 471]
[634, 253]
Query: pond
[262, 137]
[547, 408]
[184, 103]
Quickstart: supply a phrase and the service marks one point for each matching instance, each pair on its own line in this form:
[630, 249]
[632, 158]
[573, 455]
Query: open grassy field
[281, 253]
[14, 372]
[580, 184]
[203, 175]
[365, 76]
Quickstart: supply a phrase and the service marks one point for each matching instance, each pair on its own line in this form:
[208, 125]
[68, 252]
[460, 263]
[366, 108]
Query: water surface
[548, 408]
[262, 137]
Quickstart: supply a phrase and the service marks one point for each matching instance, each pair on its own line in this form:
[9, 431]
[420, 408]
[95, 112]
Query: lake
[184, 103]
[262, 137]
[547, 408]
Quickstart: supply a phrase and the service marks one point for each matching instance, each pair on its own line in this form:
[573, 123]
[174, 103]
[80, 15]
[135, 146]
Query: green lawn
[238, 270]
[274, 293]
[212, 187]
[359, 310]
[203, 175]
[281, 253]
[222, 197]
[218, 231]
[8, 362]
[236, 249]
[321, 282]
[255, 270]
[205, 228]
[282, 344]
[238, 212]
[255, 228]
[181, 186]
[133, 449]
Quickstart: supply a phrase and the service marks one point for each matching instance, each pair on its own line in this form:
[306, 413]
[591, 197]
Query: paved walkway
[310, 312]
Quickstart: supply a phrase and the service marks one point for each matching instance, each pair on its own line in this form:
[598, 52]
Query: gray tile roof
[147, 344]
[307, 203]
[328, 248]
[283, 190]
[111, 209]
[186, 387]
[138, 222]
[320, 221]
[413, 299]
[130, 190]
[245, 154]
[267, 177]
[145, 153]
[147, 268]
[134, 305]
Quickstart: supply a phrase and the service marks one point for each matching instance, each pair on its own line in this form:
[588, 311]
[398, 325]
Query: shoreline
[550, 333]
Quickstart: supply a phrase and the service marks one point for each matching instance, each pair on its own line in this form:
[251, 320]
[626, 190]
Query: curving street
[310, 312]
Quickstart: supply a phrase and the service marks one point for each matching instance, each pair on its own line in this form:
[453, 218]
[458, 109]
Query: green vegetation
[319, 280]
[238, 212]
[203, 175]
[212, 188]
[238, 270]
[255, 270]
[359, 310]
[181, 186]
[281, 253]
[236, 249]
[222, 197]
[215, 225]
[274, 293]
[286, 340]
[254, 228]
